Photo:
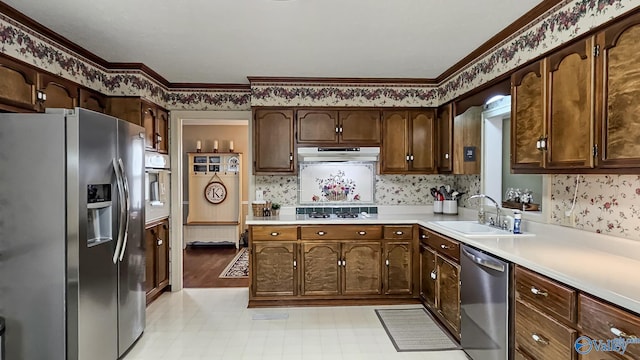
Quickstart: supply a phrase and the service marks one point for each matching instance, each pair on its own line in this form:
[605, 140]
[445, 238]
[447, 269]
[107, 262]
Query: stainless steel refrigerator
[72, 261]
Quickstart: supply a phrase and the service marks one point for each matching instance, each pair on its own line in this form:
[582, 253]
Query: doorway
[200, 264]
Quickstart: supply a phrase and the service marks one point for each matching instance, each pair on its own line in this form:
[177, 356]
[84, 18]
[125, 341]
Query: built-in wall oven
[157, 180]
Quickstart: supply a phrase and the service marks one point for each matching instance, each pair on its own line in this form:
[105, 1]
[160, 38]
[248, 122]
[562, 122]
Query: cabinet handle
[337, 130]
[295, 263]
[159, 242]
[321, 233]
[411, 157]
[424, 236]
[344, 263]
[290, 156]
[444, 247]
[619, 333]
[399, 233]
[362, 233]
[433, 275]
[539, 339]
[446, 156]
[407, 157]
[340, 129]
[158, 137]
[536, 291]
[386, 262]
[275, 233]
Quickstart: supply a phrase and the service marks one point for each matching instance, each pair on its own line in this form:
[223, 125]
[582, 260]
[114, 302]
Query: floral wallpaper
[470, 185]
[343, 95]
[607, 204]
[278, 189]
[568, 20]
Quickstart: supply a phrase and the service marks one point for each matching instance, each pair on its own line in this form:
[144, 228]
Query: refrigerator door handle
[123, 210]
[127, 197]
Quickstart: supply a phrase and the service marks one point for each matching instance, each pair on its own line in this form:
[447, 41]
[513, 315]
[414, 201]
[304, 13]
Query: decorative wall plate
[215, 192]
[233, 164]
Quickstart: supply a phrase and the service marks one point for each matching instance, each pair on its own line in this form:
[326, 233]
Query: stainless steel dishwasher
[485, 311]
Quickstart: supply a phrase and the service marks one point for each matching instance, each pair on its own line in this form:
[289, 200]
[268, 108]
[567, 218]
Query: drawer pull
[424, 236]
[445, 247]
[539, 339]
[160, 242]
[275, 233]
[399, 232]
[433, 275]
[321, 233]
[536, 291]
[362, 233]
[619, 333]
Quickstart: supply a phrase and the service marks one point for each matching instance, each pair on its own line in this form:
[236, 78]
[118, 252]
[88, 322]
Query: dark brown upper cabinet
[445, 138]
[618, 87]
[153, 118]
[528, 128]
[408, 144]
[18, 86]
[345, 127]
[93, 100]
[57, 92]
[273, 142]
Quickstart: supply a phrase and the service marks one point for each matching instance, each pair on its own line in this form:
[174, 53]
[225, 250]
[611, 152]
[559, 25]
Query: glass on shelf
[200, 159]
[215, 168]
[200, 168]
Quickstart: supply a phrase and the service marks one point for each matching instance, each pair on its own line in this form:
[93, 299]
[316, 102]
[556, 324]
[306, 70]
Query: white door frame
[179, 118]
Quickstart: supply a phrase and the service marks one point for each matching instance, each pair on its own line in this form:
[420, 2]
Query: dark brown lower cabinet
[156, 239]
[274, 265]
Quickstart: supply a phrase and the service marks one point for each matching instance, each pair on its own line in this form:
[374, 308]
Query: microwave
[157, 187]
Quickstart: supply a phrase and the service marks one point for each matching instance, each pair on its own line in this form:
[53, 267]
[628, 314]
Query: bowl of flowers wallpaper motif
[336, 183]
[337, 187]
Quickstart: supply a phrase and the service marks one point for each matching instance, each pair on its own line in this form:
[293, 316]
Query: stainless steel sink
[473, 229]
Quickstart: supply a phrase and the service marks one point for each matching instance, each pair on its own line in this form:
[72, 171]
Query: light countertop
[598, 264]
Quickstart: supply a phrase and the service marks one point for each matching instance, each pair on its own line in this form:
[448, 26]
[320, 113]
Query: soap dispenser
[517, 222]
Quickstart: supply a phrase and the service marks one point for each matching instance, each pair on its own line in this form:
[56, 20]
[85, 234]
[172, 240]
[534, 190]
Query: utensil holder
[450, 207]
[258, 209]
[437, 207]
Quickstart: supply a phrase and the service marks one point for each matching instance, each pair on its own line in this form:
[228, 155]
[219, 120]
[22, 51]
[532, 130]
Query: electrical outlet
[569, 219]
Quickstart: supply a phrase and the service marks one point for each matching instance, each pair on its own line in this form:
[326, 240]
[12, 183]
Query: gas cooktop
[340, 215]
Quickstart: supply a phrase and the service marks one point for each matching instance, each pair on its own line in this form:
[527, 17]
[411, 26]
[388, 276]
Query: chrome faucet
[481, 211]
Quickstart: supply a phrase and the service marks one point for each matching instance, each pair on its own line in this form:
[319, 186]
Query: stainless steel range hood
[338, 154]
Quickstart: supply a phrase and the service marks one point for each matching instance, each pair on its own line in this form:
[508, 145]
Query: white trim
[180, 118]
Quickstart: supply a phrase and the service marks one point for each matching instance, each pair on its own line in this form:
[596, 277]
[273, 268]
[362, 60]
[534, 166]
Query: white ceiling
[224, 41]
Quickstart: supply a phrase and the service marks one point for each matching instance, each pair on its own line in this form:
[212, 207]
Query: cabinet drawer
[444, 245]
[274, 233]
[341, 232]
[400, 232]
[554, 298]
[604, 321]
[541, 336]
[423, 235]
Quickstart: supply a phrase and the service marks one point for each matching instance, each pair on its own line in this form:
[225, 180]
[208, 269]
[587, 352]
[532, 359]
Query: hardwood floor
[203, 265]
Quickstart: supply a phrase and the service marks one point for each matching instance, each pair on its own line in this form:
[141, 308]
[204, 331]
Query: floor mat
[415, 330]
[238, 267]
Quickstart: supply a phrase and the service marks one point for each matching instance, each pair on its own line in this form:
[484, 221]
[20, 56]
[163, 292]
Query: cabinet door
[162, 255]
[428, 276]
[395, 137]
[275, 268]
[320, 268]
[273, 139]
[570, 113]
[150, 235]
[92, 100]
[18, 86]
[619, 89]
[421, 154]
[361, 268]
[449, 292]
[359, 127]
[162, 131]
[149, 116]
[527, 117]
[317, 126]
[445, 138]
[397, 270]
[59, 93]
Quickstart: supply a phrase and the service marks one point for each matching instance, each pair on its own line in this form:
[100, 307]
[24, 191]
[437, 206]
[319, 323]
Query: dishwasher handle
[493, 265]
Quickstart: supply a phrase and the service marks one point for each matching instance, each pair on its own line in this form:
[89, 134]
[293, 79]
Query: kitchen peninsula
[587, 268]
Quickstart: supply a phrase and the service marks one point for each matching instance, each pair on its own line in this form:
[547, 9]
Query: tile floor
[216, 324]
